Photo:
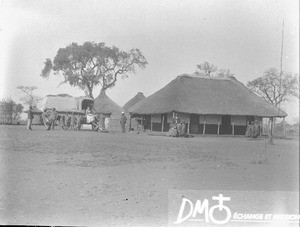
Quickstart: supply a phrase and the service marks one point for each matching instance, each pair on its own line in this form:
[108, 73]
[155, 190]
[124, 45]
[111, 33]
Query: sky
[173, 35]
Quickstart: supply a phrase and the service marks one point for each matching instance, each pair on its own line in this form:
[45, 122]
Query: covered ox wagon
[72, 112]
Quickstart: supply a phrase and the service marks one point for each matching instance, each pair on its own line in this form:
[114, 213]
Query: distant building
[37, 116]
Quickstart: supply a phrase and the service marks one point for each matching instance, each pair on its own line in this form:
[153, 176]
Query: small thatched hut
[135, 122]
[206, 105]
[138, 97]
[103, 104]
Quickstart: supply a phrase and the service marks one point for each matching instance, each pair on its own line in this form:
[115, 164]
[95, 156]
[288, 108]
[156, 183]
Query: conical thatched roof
[35, 110]
[199, 95]
[104, 104]
[139, 96]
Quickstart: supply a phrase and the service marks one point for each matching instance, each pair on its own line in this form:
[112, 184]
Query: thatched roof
[35, 110]
[199, 95]
[139, 96]
[105, 105]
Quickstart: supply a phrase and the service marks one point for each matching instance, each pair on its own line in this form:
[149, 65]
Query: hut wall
[114, 122]
[211, 124]
[201, 119]
[156, 122]
[184, 117]
[240, 120]
[169, 117]
[240, 124]
[258, 119]
[156, 118]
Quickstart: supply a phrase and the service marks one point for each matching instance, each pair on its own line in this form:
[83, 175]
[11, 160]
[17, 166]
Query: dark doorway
[225, 127]
[164, 120]
[147, 122]
[194, 123]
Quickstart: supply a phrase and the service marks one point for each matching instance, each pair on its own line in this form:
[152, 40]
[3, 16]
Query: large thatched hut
[206, 105]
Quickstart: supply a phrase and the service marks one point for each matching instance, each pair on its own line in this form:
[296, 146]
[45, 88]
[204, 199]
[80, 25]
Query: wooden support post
[218, 125]
[162, 123]
[151, 123]
[271, 141]
[284, 131]
[232, 117]
[130, 123]
[260, 127]
[204, 127]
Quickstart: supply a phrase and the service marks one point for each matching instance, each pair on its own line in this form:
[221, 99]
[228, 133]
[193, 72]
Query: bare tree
[209, 70]
[29, 97]
[274, 88]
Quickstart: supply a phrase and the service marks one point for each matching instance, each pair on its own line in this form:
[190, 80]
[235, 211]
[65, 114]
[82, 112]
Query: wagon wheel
[45, 119]
[94, 126]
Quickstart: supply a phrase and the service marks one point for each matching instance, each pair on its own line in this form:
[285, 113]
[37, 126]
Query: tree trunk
[91, 93]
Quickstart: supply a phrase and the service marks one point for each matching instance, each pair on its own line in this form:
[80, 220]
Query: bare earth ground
[87, 178]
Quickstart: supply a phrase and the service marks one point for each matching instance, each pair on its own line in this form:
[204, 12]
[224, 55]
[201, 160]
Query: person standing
[123, 122]
[30, 117]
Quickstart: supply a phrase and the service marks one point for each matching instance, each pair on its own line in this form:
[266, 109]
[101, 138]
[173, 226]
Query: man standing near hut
[30, 117]
[123, 121]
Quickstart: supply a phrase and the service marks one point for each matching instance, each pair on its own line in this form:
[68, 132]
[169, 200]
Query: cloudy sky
[175, 36]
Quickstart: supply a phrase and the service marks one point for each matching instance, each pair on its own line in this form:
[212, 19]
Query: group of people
[73, 121]
[253, 130]
[177, 128]
[69, 121]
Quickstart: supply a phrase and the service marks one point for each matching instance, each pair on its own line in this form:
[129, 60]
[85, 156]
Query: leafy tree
[225, 73]
[10, 111]
[274, 89]
[91, 64]
[210, 70]
[29, 97]
[206, 69]
[17, 110]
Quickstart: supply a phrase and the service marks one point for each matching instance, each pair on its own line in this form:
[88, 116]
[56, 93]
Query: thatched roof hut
[105, 105]
[138, 97]
[206, 105]
[202, 95]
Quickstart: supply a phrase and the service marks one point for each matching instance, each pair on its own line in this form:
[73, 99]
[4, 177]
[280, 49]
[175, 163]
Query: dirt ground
[88, 178]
